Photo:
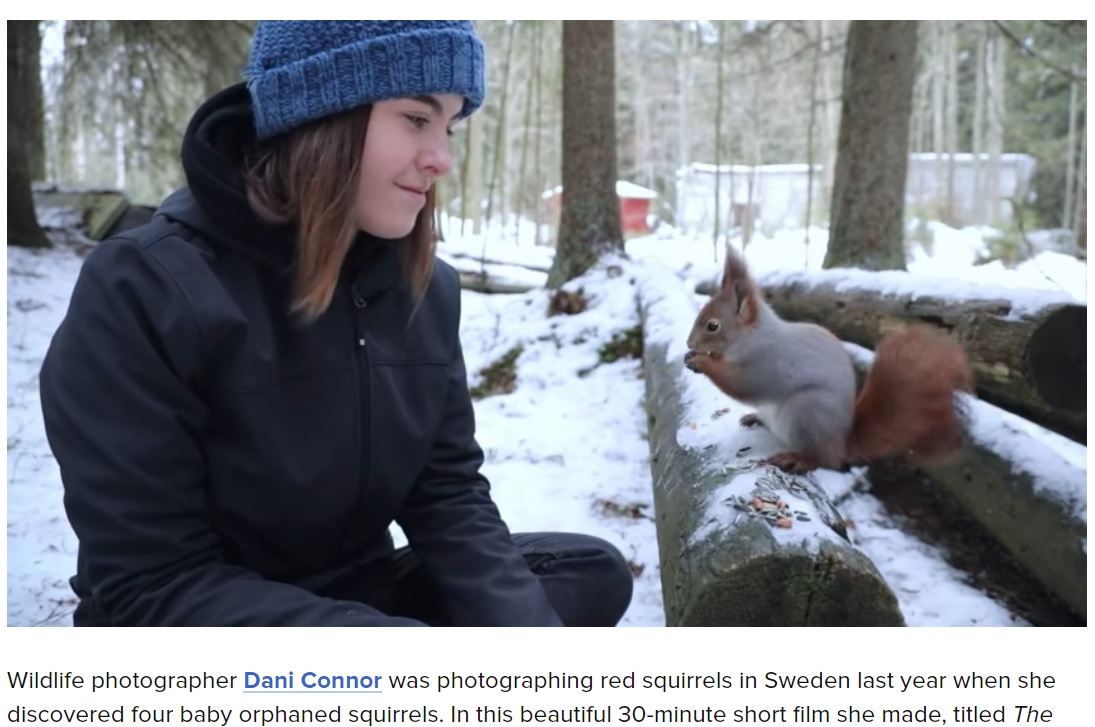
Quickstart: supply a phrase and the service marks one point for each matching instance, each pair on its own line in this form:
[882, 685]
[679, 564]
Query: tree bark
[830, 117]
[723, 562]
[1070, 156]
[684, 83]
[979, 215]
[810, 126]
[498, 161]
[994, 133]
[719, 87]
[1079, 211]
[24, 45]
[1032, 363]
[867, 229]
[589, 225]
[526, 132]
[951, 130]
[33, 112]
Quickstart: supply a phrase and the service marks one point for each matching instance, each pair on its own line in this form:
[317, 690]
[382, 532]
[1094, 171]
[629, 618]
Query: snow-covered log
[494, 277]
[740, 544]
[1027, 486]
[540, 267]
[486, 282]
[1028, 348]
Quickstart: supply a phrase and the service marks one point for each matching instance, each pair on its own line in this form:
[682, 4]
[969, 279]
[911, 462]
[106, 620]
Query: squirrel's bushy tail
[908, 404]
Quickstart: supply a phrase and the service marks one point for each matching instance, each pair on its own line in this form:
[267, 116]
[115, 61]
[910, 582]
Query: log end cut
[1057, 357]
[832, 586]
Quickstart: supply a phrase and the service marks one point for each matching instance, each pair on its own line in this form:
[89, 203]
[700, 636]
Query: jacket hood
[212, 158]
[214, 203]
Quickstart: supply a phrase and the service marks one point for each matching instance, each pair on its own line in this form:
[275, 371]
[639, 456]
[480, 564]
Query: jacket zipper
[361, 357]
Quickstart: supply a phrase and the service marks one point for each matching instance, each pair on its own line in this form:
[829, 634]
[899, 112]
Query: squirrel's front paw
[691, 360]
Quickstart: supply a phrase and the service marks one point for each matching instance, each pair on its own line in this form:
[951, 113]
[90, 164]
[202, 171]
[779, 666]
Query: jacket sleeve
[124, 417]
[455, 528]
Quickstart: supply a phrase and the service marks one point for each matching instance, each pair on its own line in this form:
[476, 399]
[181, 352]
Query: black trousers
[587, 580]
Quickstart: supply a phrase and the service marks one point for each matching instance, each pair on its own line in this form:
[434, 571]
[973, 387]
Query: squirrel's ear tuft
[734, 268]
[747, 304]
[738, 287]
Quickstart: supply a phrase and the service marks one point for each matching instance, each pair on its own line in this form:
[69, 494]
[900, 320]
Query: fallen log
[740, 544]
[495, 278]
[1026, 486]
[540, 267]
[487, 283]
[1028, 348]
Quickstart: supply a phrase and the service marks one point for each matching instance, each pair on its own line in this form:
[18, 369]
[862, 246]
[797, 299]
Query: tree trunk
[867, 229]
[498, 169]
[589, 225]
[939, 87]
[24, 45]
[684, 83]
[980, 217]
[537, 173]
[474, 171]
[644, 148]
[994, 133]
[739, 545]
[1030, 362]
[718, 140]
[1070, 154]
[33, 112]
[810, 126]
[830, 117]
[951, 132]
[1079, 210]
[522, 167]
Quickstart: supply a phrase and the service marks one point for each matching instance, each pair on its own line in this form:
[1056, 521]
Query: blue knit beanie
[301, 70]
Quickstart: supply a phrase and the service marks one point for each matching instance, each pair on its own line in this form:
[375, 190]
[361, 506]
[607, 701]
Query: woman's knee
[616, 583]
[588, 579]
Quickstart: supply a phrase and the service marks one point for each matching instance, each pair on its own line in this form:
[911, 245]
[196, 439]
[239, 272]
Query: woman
[247, 391]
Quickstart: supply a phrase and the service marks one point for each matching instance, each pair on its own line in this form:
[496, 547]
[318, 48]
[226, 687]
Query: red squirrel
[802, 382]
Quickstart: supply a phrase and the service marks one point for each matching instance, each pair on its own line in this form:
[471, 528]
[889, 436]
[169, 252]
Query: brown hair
[308, 178]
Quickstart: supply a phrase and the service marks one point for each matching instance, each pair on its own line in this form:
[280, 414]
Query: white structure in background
[778, 191]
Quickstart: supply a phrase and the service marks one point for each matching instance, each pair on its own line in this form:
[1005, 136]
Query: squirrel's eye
[712, 325]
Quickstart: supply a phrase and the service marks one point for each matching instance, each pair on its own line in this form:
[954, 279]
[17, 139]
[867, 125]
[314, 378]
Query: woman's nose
[437, 159]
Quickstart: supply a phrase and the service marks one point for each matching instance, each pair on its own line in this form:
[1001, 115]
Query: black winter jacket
[224, 464]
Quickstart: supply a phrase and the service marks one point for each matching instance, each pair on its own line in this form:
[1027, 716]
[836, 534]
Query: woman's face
[407, 148]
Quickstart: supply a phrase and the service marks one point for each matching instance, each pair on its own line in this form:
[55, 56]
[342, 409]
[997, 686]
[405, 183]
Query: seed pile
[768, 506]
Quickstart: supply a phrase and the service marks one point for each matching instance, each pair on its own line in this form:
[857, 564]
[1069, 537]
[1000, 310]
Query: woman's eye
[418, 121]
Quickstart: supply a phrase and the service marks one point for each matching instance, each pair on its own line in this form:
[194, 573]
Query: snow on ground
[566, 450]
[41, 546]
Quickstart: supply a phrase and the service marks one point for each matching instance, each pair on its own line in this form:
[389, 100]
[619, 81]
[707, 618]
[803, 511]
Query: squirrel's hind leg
[751, 420]
[794, 462]
[813, 424]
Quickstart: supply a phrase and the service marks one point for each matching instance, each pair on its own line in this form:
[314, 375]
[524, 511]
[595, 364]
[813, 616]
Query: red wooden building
[634, 205]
